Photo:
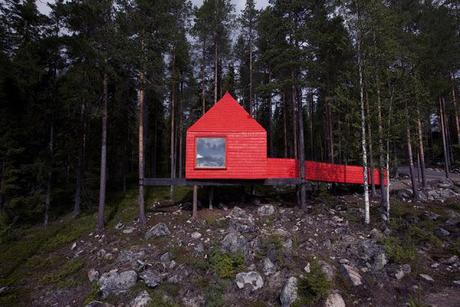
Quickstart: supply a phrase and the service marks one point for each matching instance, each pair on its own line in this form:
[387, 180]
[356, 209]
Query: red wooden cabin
[227, 143]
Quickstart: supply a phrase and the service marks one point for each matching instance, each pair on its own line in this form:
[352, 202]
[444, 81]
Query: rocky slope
[254, 254]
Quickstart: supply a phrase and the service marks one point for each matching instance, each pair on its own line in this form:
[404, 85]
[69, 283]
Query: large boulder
[266, 210]
[143, 299]
[234, 242]
[151, 278]
[159, 230]
[351, 274]
[334, 300]
[252, 279]
[114, 282]
[289, 293]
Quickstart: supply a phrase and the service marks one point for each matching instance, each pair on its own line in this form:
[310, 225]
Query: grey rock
[442, 232]
[334, 300]
[196, 301]
[351, 274]
[252, 278]
[289, 292]
[450, 260]
[327, 269]
[266, 210]
[403, 270]
[114, 282]
[199, 248]
[166, 257]
[380, 261]
[376, 234]
[93, 275]
[128, 230]
[195, 235]
[456, 282]
[119, 226]
[143, 299]
[130, 256]
[269, 267]
[426, 277]
[159, 230]
[234, 242]
[151, 278]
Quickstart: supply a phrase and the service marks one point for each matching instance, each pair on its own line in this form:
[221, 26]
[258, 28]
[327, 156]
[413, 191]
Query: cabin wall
[246, 156]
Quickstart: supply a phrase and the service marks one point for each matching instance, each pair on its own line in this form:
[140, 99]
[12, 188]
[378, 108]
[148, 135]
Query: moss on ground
[313, 287]
[226, 265]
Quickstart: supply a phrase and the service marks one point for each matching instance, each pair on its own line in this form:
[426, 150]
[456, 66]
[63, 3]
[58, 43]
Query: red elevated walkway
[320, 171]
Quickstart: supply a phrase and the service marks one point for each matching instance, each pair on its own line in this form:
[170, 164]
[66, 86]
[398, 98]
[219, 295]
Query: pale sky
[239, 4]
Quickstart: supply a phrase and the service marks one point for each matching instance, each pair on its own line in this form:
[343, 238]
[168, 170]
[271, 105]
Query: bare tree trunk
[173, 115]
[363, 136]
[421, 149]
[270, 118]
[142, 219]
[303, 196]
[103, 169]
[454, 102]
[371, 151]
[285, 125]
[50, 174]
[443, 134]
[329, 129]
[310, 125]
[251, 94]
[383, 199]
[181, 128]
[216, 64]
[203, 85]
[80, 163]
[410, 157]
[294, 117]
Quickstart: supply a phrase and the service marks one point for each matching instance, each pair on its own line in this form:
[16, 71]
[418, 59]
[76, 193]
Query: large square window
[210, 152]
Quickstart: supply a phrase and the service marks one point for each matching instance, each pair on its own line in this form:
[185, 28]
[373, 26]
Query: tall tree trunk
[285, 125]
[363, 135]
[381, 150]
[142, 219]
[454, 102]
[303, 196]
[444, 140]
[251, 94]
[329, 129]
[103, 168]
[50, 174]
[216, 68]
[411, 158]
[310, 125]
[371, 151]
[294, 117]
[203, 85]
[270, 117]
[421, 149]
[80, 162]
[181, 128]
[173, 116]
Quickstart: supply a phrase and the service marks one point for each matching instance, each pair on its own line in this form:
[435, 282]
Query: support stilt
[211, 197]
[195, 201]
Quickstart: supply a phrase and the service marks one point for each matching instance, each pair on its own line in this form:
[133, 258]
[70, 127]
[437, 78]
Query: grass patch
[226, 265]
[65, 277]
[93, 295]
[215, 293]
[398, 253]
[313, 287]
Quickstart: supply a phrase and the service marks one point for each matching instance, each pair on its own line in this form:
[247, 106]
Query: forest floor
[298, 258]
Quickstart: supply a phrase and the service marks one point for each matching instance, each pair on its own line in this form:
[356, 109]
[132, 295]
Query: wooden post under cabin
[195, 201]
[211, 197]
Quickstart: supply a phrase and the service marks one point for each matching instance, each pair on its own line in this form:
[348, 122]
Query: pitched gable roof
[227, 115]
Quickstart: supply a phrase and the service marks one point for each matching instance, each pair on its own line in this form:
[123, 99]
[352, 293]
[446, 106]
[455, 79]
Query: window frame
[211, 167]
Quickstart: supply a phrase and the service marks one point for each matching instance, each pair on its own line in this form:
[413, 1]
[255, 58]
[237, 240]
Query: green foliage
[215, 293]
[226, 265]
[314, 286]
[399, 252]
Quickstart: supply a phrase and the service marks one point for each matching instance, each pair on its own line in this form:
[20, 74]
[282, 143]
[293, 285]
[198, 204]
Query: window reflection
[210, 152]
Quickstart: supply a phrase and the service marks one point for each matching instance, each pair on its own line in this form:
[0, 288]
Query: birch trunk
[80, 163]
[363, 137]
[371, 151]
[421, 149]
[173, 115]
[103, 169]
[303, 196]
